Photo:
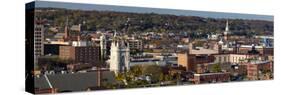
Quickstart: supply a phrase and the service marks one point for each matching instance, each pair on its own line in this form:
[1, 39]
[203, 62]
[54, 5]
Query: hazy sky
[151, 10]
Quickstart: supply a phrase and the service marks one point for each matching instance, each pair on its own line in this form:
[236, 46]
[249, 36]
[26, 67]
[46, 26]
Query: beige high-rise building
[38, 41]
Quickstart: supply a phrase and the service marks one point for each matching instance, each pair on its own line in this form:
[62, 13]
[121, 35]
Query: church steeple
[226, 26]
[103, 46]
[119, 55]
[226, 31]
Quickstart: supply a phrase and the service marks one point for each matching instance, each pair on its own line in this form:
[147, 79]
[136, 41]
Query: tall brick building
[81, 54]
[190, 61]
[257, 70]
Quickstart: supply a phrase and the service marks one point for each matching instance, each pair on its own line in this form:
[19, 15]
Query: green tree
[168, 77]
[136, 70]
[120, 77]
[216, 68]
[162, 77]
[153, 70]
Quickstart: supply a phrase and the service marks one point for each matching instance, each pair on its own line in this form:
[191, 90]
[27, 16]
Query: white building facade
[119, 56]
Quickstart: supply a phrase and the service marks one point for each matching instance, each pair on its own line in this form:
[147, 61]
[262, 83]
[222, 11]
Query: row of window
[234, 59]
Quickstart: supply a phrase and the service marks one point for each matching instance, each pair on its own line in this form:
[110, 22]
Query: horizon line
[163, 11]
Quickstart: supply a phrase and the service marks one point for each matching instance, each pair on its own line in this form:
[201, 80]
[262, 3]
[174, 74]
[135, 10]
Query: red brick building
[211, 77]
[81, 54]
[191, 61]
[259, 70]
[263, 51]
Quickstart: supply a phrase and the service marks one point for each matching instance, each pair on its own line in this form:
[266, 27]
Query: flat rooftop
[204, 74]
[201, 50]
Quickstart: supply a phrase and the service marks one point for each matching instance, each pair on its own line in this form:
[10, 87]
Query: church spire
[226, 32]
[103, 46]
[226, 26]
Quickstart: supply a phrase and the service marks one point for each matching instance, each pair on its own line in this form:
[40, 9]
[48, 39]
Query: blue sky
[151, 10]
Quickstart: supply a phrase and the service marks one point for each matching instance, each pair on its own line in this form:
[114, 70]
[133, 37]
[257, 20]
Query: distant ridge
[80, 6]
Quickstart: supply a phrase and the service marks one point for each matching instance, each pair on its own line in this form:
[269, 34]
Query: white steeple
[103, 46]
[119, 55]
[226, 32]
[226, 26]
